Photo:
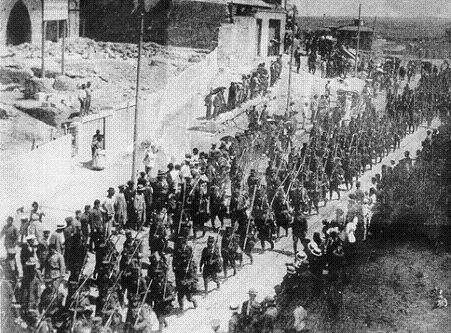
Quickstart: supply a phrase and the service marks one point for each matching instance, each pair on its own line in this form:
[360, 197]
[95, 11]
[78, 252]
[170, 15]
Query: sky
[380, 8]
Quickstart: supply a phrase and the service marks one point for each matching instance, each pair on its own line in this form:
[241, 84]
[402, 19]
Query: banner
[55, 10]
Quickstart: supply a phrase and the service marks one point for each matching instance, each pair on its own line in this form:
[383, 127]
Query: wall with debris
[172, 22]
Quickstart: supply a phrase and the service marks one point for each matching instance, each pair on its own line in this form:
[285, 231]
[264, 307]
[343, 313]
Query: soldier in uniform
[132, 314]
[160, 191]
[282, 212]
[161, 294]
[158, 232]
[217, 205]
[185, 272]
[229, 248]
[300, 226]
[201, 209]
[30, 287]
[210, 263]
[252, 180]
[263, 218]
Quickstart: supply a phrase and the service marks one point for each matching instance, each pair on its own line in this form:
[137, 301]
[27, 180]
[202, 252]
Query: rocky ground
[110, 67]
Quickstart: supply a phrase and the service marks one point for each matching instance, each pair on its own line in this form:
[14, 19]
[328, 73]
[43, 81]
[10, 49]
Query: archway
[18, 29]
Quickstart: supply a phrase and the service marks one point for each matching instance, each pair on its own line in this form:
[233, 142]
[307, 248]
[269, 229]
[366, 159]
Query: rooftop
[355, 28]
[251, 3]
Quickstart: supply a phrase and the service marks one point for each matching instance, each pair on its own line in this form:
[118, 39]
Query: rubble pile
[87, 48]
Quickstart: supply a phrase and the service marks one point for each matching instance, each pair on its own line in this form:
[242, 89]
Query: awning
[251, 3]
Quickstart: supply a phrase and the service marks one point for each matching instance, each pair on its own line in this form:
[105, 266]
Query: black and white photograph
[228, 166]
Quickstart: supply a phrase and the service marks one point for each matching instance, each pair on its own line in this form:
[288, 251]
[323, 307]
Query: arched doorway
[19, 25]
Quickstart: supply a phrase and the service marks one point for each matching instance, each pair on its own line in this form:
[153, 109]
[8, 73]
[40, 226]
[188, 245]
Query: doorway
[259, 36]
[18, 29]
[274, 37]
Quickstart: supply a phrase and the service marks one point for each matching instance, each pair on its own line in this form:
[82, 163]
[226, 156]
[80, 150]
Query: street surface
[84, 185]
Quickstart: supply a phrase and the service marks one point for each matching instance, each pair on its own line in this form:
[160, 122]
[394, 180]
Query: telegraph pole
[358, 43]
[44, 32]
[291, 58]
[138, 72]
[374, 36]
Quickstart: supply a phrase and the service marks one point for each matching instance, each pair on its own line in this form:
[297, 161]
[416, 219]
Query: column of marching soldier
[179, 203]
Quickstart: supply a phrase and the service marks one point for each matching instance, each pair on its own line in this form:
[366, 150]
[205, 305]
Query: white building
[255, 31]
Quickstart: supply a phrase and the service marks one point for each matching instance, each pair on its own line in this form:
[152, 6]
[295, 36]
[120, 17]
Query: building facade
[255, 31]
[21, 22]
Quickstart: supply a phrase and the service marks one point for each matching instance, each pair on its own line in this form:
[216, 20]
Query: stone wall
[34, 8]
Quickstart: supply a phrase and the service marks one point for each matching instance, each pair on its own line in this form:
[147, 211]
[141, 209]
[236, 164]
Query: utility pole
[63, 46]
[358, 43]
[135, 127]
[44, 32]
[374, 36]
[291, 58]
[324, 20]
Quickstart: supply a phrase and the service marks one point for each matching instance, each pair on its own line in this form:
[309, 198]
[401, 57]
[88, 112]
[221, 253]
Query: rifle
[249, 218]
[120, 275]
[145, 296]
[183, 207]
[296, 175]
[41, 318]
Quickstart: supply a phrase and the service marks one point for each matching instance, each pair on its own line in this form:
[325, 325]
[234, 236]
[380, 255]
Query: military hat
[49, 280]
[128, 232]
[122, 186]
[211, 239]
[60, 226]
[69, 219]
[161, 173]
[97, 320]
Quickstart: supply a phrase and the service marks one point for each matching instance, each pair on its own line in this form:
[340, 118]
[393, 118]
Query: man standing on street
[43, 251]
[55, 267]
[297, 58]
[11, 235]
[108, 207]
[120, 209]
[97, 226]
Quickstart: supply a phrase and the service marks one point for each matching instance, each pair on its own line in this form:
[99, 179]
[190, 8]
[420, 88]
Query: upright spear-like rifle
[249, 218]
[120, 275]
[145, 296]
[183, 207]
[295, 177]
[41, 318]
